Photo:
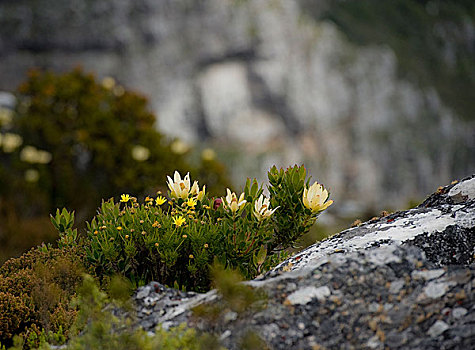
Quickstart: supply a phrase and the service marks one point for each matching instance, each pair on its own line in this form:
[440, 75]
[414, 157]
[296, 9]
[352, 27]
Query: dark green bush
[72, 142]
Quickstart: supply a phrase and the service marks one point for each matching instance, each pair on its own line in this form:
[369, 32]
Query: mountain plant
[73, 140]
[174, 239]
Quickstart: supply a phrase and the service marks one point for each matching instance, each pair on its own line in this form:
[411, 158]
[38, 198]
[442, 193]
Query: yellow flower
[124, 198]
[126, 236]
[262, 208]
[191, 256]
[314, 198]
[156, 244]
[119, 228]
[179, 221]
[191, 202]
[232, 201]
[160, 200]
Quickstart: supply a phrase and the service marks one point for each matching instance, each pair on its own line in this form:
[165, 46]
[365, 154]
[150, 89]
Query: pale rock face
[259, 77]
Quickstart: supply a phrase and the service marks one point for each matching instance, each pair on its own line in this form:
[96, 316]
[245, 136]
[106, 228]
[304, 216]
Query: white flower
[11, 142]
[108, 83]
[314, 198]
[201, 193]
[179, 147]
[208, 154]
[232, 201]
[6, 116]
[30, 154]
[140, 153]
[262, 208]
[195, 191]
[179, 188]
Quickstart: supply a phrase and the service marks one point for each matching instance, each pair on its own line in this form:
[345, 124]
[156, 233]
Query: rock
[268, 78]
[305, 295]
[435, 290]
[459, 312]
[437, 328]
[368, 287]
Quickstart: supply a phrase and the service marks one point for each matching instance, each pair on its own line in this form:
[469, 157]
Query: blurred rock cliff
[280, 82]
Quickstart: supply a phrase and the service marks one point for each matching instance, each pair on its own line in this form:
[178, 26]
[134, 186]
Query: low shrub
[175, 239]
[35, 294]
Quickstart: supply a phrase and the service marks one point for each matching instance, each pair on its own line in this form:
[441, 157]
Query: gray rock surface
[405, 281]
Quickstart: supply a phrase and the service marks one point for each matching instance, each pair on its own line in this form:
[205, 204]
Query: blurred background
[376, 98]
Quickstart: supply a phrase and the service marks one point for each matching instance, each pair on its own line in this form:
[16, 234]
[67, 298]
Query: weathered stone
[385, 291]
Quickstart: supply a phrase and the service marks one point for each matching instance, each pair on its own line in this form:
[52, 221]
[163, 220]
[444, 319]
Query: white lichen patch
[465, 188]
[397, 231]
[307, 294]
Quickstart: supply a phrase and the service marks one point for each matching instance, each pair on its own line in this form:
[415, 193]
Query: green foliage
[35, 294]
[63, 221]
[286, 190]
[78, 141]
[175, 240]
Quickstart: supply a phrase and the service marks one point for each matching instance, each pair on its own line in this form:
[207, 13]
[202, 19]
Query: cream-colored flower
[6, 116]
[179, 147]
[10, 142]
[108, 83]
[232, 202]
[208, 154]
[262, 208]
[140, 153]
[179, 188]
[195, 189]
[43, 157]
[201, 193]
[314, 198]
[30, 154]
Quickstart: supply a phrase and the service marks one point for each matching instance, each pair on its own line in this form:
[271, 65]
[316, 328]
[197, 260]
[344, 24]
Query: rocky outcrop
[263, 77]
[403, 281]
